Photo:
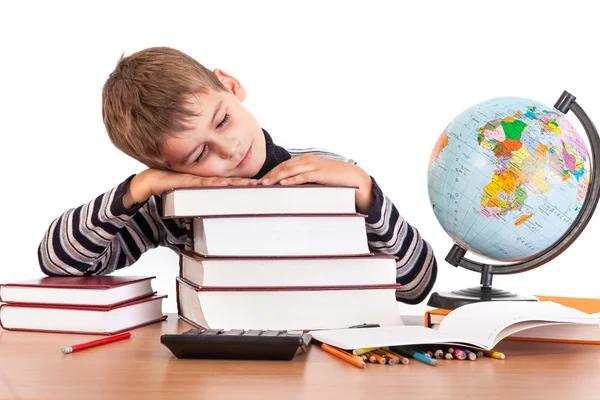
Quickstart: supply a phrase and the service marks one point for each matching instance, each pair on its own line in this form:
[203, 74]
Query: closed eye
[201, 155]
[224, 121]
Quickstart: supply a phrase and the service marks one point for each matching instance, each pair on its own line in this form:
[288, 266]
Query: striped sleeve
[389, 233]
[101, 236]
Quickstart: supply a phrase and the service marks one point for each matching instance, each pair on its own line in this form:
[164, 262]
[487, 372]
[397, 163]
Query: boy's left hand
[310, 168]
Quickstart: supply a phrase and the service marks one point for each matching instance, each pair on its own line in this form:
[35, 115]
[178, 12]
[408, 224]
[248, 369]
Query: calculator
[237, 344]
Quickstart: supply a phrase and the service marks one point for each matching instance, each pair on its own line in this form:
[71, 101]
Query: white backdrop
[377, 83]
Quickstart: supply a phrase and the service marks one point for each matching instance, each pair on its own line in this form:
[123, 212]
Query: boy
[188, 125]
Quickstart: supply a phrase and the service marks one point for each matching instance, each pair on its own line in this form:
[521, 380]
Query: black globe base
[456, 298]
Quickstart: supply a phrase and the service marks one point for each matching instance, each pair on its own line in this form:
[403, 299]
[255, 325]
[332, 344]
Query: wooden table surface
[32, 366]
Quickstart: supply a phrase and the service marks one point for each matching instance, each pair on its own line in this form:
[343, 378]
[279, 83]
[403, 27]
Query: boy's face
[224, 140]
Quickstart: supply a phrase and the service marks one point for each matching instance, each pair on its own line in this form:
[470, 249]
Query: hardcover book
[241, 200]
[105, 290]
[287, 308]
[371, 269]
[94, 320]
[280, 235]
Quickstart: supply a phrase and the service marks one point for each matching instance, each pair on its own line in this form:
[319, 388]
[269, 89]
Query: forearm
[389, 233]
[85, 240]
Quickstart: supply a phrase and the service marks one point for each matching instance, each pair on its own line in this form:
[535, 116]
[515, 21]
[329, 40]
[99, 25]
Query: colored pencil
[459, 354]
[392, 359]
[94, 343]
[357, 362]
[358, 352]
[414, 353]
[439, 353]
[470, 355]
[380, 359]
[403, 360]
[493, 354]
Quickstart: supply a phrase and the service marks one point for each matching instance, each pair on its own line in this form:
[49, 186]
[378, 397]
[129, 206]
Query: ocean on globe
[507, 178]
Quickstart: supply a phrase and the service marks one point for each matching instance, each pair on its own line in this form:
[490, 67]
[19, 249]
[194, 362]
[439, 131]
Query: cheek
[212, 166]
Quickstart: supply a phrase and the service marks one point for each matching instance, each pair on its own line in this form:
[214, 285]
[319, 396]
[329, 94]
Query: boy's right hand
[155, 182]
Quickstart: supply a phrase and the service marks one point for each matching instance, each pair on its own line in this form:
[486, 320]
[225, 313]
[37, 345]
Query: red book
[105, 290]
[91, 320]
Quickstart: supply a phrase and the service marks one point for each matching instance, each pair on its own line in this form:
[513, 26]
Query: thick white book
[287, 308]
[260, 199]
[280, 235]
[371, 269]
[480, 325]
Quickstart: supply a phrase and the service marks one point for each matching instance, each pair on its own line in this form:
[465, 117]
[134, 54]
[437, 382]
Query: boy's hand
[310, 168]
[155, 182]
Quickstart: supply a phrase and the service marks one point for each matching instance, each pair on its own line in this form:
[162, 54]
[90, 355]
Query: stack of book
[279, 257]
[99, 305]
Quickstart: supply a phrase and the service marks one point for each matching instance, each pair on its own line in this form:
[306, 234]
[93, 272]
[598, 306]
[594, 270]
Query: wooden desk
[32, 366]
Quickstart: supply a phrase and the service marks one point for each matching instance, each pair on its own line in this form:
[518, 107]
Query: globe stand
[453, 299]
[485, 292]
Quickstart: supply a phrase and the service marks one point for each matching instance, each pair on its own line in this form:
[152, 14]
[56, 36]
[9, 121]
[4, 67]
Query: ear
[232, 84]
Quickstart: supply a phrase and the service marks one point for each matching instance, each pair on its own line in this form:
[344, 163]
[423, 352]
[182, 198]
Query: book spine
[197, 288]
[100, 307]
[180, 265]
[1, 326]
[427, 320]
[177, 297]
[94, 308]
[189, 224]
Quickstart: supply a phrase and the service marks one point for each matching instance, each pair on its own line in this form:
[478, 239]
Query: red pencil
[94, 343]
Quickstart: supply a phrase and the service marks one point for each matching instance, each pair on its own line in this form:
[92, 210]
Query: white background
[374, 81]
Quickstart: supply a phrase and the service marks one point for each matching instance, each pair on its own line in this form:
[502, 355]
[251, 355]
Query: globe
[507, 178]
[510, 179]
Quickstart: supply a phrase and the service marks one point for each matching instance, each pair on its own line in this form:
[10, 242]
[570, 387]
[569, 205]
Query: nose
[226, 147]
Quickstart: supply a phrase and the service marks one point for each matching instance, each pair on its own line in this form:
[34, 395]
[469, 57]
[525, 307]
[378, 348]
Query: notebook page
[350, 339]
[486, 322]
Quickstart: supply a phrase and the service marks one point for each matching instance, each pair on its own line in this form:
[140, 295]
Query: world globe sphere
[508, 177]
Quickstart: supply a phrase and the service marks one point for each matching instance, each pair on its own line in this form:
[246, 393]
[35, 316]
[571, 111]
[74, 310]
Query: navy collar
[275, 155]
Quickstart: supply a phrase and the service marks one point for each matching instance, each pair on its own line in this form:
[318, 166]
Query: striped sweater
[102, 235]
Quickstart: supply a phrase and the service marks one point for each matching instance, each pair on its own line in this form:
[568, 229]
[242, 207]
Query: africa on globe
[508, 177]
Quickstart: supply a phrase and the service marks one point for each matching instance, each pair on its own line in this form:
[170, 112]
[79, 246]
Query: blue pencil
[414, 353]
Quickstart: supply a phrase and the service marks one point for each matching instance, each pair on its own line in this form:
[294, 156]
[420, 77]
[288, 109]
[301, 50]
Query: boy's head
[166, 110]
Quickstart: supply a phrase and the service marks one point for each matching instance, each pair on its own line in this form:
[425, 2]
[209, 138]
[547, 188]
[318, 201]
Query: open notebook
[480, 325]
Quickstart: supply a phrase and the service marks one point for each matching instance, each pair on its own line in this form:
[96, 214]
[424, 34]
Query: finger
[214, 182]
[286, 164]
[288, 172]
[237, 181]
[307, 177]
[240, 181]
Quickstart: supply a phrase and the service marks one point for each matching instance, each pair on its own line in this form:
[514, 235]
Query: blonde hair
[143, 99]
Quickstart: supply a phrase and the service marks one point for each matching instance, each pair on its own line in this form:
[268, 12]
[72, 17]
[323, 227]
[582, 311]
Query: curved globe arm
[564, 103]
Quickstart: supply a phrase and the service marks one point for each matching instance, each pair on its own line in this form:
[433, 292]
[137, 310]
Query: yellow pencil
[493, 354]
[358, 352]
